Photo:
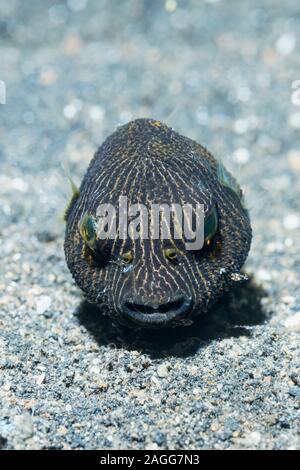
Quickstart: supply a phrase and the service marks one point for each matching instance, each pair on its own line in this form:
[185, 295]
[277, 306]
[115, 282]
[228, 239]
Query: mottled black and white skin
[136, 282]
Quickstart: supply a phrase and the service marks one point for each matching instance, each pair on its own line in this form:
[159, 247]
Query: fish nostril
[151, 308]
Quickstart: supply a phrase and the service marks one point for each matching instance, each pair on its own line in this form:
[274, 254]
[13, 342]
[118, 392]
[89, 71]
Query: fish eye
[229, 182]
[210, 226]
[171, 254]
[88, 230]
[127, 257]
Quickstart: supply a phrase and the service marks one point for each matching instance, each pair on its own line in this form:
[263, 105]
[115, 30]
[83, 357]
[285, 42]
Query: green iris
[211, 225]
[88, 230]
[228, 181]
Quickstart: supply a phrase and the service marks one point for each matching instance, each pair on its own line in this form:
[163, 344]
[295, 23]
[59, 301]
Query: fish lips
[149, 315]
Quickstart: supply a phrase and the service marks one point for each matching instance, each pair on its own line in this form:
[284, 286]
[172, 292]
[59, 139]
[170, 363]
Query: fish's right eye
[88, 230]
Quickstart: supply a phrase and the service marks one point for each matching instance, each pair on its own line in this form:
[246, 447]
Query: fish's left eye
[210, 226]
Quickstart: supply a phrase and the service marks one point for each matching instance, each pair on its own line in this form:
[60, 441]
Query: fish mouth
[150, 315]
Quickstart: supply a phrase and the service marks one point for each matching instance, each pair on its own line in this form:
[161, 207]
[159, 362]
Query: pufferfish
[146, 282]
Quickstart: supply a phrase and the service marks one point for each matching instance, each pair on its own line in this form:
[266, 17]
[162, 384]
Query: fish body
[148, 281]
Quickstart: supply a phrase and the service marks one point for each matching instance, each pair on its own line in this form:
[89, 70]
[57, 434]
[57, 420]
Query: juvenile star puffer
[156, 282]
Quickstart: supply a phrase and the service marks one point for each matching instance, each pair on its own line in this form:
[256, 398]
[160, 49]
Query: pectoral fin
[74, 196]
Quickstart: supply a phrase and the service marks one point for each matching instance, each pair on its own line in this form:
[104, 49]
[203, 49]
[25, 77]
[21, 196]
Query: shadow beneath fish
[234, 315]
